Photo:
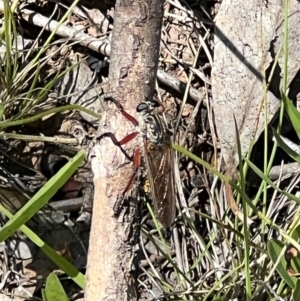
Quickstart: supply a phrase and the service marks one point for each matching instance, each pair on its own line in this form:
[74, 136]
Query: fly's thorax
[156, 130]
[152, 124]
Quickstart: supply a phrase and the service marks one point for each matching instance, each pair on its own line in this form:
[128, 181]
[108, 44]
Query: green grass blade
[54, 290]
[265, 178]
[61, 262]
[1, 112]
[237, 188]
[274, 248]
[41, 197]
[292, 112]
[209, 167]
[245, 217]
[8, 43]
[296, 292]
[36, 117]
[285, 147]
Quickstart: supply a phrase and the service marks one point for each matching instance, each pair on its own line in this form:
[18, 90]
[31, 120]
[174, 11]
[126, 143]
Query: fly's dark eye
[142, 107]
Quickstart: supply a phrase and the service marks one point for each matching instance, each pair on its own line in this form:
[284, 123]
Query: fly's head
[149, 107]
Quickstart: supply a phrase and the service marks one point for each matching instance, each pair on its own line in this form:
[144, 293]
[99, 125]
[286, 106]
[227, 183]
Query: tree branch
[133, 68]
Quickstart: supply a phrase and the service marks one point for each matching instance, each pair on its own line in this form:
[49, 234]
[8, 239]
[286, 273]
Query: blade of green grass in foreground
[5, 124]
[54, 290]
[274, 248]
[209, 167]
[245, 217]
[61, 262]
[265, 178]
[285, 147]
[296, 292]
[227, 180]
[237, 188]
[293, 113]
[41, 198]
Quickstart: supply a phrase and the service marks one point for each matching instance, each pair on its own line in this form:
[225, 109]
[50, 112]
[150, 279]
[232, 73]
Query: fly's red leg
[121, 142]
[129, 137]
[125, 140]
[136, 166]
[137, 153]
[123, 112]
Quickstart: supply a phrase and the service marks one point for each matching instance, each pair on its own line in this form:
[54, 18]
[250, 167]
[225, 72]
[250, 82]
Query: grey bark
[248, 36]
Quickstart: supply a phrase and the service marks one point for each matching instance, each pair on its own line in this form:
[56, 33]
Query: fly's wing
[160, 165]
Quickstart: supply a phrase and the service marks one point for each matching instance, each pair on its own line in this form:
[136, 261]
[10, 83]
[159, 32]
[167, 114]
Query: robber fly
[158, 156]
[159, 159]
